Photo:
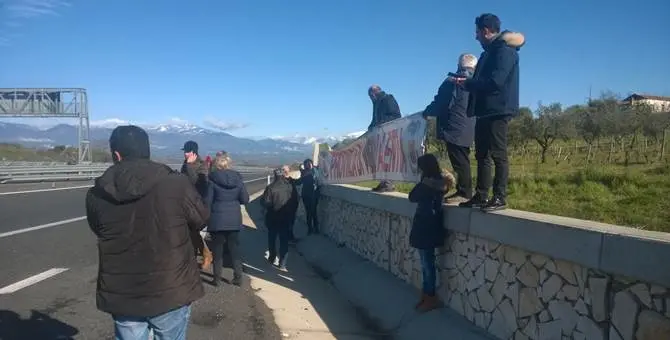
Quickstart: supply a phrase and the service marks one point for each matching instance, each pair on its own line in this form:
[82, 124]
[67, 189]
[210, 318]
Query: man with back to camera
[494, 101]
[454, 127]
[280, 201]
[144, 215]
[384, 109]
[197, 171]
[286, 170]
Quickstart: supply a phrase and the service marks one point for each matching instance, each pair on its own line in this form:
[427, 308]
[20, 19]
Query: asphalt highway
[48, 272]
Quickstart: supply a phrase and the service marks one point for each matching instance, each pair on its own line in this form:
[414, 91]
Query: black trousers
[281, 230]
[491, 144]
[310, 203]
[459, 156]
[230, 240]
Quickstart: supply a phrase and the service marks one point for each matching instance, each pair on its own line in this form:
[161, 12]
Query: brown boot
[206, 258]
[418, 304]
[430, 302]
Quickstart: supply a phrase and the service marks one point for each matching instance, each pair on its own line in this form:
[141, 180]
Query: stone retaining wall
[518, 275]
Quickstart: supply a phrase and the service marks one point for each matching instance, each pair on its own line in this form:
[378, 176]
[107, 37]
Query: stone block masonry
[518, 275]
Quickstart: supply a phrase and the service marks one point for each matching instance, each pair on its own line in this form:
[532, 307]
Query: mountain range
[167, 140]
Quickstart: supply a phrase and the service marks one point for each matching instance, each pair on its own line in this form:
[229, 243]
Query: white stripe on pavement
[14, 287]
[43, 226]
[76, 219]
[44, 190]
[256, 179]
[81, 187]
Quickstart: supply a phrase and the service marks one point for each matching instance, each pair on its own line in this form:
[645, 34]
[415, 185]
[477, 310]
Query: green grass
[635, 196]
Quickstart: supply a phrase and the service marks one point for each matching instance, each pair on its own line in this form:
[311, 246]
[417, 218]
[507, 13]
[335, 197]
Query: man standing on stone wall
[494, 100]
[454, 127]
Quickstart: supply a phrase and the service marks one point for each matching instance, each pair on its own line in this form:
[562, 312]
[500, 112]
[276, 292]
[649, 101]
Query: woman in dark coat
[427, 231]
[226, 193]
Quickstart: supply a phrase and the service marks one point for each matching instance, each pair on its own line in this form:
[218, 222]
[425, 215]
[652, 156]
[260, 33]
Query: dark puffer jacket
[494, 88]
[280, 200]
[226, 193]
[427, 230]
[450, 107]
[143, 213]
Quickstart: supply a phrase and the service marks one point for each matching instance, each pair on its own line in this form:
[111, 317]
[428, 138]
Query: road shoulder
[304, 305]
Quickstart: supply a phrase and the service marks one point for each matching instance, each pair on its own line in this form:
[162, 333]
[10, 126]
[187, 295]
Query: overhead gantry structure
[50, 103]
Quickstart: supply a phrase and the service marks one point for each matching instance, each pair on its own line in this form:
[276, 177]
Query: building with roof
[656, 103]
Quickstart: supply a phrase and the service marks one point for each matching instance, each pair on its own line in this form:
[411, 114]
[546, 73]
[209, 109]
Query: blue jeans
[167, 326]
[428, 270]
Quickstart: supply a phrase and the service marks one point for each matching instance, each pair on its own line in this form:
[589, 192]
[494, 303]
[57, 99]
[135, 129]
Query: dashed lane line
[43, 226]
[43, 190]
[14, 287]
[71, 220]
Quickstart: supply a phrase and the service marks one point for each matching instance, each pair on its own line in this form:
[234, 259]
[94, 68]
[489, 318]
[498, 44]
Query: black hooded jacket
[226, 194]
[494, 87]
[143, 214]
[280, 199]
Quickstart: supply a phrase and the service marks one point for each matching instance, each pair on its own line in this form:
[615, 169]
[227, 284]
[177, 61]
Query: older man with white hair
[454, 127]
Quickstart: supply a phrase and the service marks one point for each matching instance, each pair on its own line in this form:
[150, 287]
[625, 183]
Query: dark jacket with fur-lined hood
[494, 87]
[427, 230]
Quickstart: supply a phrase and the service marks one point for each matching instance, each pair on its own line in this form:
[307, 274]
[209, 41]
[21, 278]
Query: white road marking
[256, 179]
[14, 287]
[43, 226]
[57, 223]
[44, 190]
[82, 187]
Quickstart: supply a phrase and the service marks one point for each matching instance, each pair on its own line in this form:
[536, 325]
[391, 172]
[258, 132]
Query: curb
[385, 302]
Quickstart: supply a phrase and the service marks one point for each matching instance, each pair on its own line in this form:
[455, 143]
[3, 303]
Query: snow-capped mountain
[167, 139]
[186, 129]
[299, 139]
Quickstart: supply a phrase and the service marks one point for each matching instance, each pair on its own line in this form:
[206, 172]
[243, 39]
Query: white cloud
[223, 125]
[21, 9]
[13, 13]
[177, 120]
[108, 123]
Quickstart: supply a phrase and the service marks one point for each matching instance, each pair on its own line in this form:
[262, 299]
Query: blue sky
[271, 67]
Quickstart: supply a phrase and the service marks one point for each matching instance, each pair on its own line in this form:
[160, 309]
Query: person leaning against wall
[226, 192]
[427, 232]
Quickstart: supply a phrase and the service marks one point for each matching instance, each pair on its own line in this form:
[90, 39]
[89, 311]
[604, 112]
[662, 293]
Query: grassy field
[635, 195]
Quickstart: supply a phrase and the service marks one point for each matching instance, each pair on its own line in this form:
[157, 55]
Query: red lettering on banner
[390, 155]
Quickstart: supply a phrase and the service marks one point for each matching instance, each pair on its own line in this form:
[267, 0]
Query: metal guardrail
[30, 174]
[27, 163]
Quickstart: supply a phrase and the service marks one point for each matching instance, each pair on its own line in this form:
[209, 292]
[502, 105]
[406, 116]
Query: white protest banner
[388, 152]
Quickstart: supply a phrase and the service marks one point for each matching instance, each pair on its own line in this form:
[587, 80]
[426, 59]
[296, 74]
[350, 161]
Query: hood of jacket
[227, 179]
[130, 180]
[512, 39]
[443, 184]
